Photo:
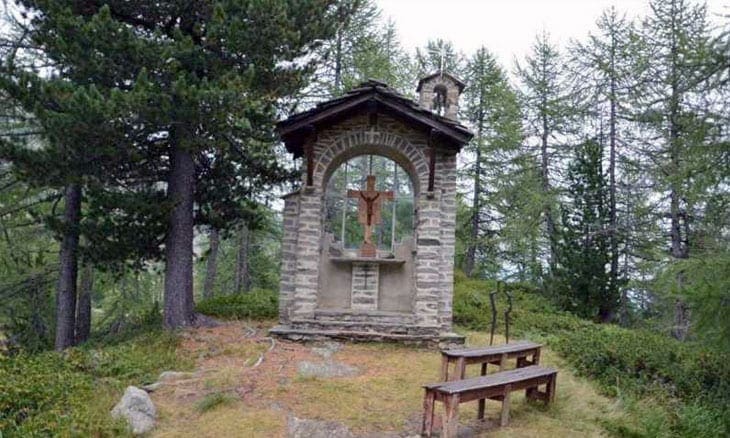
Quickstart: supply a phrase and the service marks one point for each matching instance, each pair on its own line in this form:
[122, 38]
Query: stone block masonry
[326, 297]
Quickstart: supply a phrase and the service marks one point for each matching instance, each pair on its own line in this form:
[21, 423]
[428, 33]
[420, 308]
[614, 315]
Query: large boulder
[137, 408]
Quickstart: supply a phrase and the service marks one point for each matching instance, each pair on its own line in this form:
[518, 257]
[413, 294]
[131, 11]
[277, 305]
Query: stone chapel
[368, 245]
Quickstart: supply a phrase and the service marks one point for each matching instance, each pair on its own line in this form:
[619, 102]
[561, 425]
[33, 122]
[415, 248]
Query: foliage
[50, 393]
[257, 304]
[491, 107]
[707, 290]
[580, 281]
[690, 381]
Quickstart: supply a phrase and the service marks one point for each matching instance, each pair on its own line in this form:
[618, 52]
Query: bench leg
[451, 416]
[529, 393]
[504, 418]
[428, 402]
[551, 389]
[482, 402]
[536, 357]
[460, 369]
[503, 362]
[444, 368]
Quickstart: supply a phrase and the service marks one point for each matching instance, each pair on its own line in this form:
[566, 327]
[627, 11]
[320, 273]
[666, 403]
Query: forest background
[598, 173]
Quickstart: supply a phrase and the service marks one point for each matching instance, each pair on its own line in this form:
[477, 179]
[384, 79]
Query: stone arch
[387, 144]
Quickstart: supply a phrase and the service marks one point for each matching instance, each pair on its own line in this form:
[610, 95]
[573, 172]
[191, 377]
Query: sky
[507, 28]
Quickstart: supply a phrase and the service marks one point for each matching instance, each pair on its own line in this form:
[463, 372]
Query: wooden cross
[370, 202]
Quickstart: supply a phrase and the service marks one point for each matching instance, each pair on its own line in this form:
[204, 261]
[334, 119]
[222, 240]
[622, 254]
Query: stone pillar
[365, 283]
[307, 264]
[428, 261]
[447, 170]
[287, 287]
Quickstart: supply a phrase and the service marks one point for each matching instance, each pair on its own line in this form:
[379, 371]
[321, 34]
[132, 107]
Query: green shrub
[257, 304]
[692, 381]
[71, 393]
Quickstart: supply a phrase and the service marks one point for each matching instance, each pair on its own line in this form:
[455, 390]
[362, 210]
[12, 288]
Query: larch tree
[677, 110]
[491, 109]
[548, 108]
[437, 55]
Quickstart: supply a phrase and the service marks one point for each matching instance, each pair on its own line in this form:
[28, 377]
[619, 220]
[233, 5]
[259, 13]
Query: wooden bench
[497, 386]
[488, 355]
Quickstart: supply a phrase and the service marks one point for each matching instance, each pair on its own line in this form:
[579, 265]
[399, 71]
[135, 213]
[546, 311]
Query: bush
[257, 304]
[691, 380]
[71, 393]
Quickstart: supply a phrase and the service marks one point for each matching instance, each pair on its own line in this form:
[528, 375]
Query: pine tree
[606, 67]
[583, 245]
[78, 145]
[204, 82]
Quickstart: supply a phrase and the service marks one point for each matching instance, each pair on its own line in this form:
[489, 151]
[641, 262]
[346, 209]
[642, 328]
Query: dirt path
[247, 384]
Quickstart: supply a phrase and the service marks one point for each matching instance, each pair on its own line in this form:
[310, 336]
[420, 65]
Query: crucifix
[370, 202]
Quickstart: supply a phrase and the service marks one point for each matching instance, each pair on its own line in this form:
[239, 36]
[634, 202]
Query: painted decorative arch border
[362, 142]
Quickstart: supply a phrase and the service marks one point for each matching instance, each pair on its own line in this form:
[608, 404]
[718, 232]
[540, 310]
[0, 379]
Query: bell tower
[439, 92]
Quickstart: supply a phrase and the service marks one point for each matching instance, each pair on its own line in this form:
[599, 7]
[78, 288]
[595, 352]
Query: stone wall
[434, 218]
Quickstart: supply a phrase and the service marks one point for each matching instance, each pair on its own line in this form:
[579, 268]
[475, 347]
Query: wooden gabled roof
[371, 97]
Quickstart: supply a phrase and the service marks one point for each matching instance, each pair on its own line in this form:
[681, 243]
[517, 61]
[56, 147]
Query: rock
[171, 376]
[303, 428]
[326, 369]
[152, 387]
[327, 349]
[137, 408]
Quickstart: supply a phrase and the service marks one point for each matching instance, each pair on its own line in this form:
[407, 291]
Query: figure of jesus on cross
[370, 202]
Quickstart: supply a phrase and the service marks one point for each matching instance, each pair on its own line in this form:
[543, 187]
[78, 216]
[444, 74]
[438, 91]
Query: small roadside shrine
[368, 246]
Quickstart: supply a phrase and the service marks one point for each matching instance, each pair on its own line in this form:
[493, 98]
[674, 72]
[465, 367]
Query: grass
[213, 401]
[385, 397]
[71, 394]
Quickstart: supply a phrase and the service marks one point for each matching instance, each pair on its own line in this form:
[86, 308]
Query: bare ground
[247, 384]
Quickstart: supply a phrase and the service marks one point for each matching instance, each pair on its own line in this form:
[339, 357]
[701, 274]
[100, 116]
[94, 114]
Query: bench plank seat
[515, 347]
[513, 377]
[498, 355]
[496, 386]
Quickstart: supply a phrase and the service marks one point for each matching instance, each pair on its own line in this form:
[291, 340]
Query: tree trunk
[338, 62]
[68, 269]
[211, 268]
[681, 320]
[470, 260]
[679, 245]
[179, 241]
[612, 215]
[83, 306]
[243, 277]
[545, 176]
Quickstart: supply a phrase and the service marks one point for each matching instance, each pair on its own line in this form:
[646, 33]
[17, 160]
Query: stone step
[370, 316]
[428, 338]
[364, 326]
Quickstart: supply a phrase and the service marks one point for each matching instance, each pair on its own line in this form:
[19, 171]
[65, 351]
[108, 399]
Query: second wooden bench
[488, 355]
